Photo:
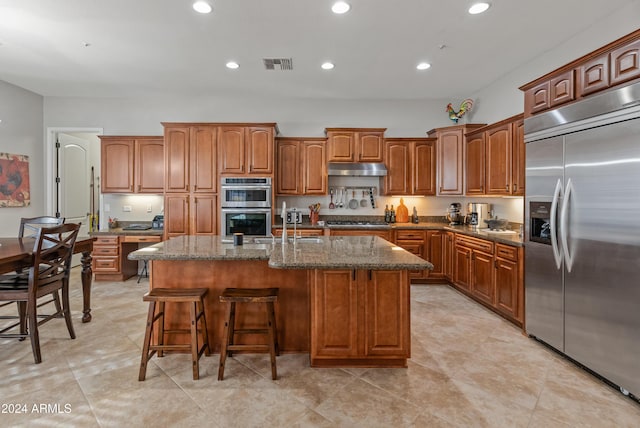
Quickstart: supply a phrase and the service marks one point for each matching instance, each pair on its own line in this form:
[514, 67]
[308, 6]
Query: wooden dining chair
[48, 274]
[29, 227]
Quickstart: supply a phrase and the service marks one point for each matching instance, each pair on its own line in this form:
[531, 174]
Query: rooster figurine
[464, 107]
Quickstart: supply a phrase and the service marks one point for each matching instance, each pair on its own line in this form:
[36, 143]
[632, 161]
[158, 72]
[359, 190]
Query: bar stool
[195, 298]
[231, 296]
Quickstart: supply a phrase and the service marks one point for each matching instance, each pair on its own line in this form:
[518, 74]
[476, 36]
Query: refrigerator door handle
[564, 220]
[557, 254]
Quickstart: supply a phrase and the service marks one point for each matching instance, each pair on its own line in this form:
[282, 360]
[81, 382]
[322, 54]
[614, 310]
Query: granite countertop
[513, 239]
[326, 252]
[121, 231]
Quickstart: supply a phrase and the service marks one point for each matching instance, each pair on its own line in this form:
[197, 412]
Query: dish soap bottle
[402, 213]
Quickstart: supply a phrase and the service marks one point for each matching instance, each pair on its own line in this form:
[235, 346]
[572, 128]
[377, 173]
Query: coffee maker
[477, 213]
[453, 214]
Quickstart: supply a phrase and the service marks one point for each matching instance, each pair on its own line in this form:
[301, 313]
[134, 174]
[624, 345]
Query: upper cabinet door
[149, 166]
[518, 165]
[498, 158]
[259, 150]
[176, 159]
[369, 146]
[475, 168]
[450, 162]
[424, 168]
[116, 162]
[561, 89]
[204, 154]
[625, 63]
[232, 151]
[314, 167]
[341, 146]
[288, 167]
[593, 75]
[538, 98]
[397, 159]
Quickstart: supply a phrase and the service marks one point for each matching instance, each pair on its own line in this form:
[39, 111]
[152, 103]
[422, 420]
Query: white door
[73, 177]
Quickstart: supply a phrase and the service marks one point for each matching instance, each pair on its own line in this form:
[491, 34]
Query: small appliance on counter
[158, 222]
[294, 216]
[453, 214]
[477, 213]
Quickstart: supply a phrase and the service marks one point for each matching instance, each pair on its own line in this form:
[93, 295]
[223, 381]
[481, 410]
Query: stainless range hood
[357, 169]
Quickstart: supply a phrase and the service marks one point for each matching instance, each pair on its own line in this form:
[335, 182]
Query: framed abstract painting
[14, 180]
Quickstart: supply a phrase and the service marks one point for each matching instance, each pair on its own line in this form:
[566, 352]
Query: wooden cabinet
[132, 164]
[475, 164]
[509, 281]
[518, 172]
[550, 93]
[109, 256]
[498, 158]
[360, 317]
[593, 75]
[447, 255]
[435, 241]
[411, 166]
[355, 144]
[611, 65]
[495, 163]
[492, 274]
[246, 149]
[474, 267]
[190, 214]
[450, 157]
[190, 159]
[301, 166]
[191, 181]
[300, 231]
[414, 241]
[625, 63]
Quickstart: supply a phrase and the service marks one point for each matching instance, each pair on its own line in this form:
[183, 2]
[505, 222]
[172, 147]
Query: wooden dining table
[17, 253]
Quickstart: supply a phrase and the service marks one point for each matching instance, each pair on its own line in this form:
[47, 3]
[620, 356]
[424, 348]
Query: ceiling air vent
[278, 63]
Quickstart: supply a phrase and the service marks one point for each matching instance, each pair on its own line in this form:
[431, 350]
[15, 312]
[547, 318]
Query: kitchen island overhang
[344, 299]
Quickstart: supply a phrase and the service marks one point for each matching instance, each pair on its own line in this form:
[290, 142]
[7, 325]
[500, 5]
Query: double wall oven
[246, 206]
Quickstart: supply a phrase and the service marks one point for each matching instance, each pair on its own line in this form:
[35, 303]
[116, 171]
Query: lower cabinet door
[462, 267]
[507, 286]
[334, 314]
[482, 276]
[386, 313]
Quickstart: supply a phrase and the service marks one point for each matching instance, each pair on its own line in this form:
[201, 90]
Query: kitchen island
[343, 299]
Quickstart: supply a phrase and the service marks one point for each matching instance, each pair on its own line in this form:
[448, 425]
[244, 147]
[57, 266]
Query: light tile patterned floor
[469, 368]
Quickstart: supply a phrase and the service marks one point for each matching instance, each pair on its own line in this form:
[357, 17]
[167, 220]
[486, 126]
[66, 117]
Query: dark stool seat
[249, 295]
[195, 298]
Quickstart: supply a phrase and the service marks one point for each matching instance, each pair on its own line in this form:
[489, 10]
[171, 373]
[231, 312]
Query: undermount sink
[501, 232]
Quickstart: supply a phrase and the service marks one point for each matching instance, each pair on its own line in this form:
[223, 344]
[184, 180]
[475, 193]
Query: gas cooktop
[357, 223]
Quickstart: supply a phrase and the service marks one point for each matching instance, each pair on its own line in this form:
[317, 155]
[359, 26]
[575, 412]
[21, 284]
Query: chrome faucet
[283, 214]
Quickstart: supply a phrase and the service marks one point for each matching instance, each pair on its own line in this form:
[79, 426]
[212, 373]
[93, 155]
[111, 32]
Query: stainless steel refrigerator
[582, 233]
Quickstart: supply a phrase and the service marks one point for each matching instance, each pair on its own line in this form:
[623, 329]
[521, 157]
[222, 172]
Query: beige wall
[21, 132]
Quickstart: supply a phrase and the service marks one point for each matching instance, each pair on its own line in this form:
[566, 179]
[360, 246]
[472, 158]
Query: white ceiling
[163, 47]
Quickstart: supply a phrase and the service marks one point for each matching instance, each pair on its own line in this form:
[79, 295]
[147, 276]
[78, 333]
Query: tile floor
[469, 368]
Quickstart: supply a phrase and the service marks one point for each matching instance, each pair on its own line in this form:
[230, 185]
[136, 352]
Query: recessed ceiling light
[340, 7]
[202, 7]
[477, 8]
[423, 66]
[232, 65]
[327, 65]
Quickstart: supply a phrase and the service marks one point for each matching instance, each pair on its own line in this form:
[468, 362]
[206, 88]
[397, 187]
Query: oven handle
[246, 210]
[246, 187]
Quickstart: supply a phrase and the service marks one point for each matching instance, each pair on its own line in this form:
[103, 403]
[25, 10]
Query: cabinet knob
[506, 187]
[515, 187]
